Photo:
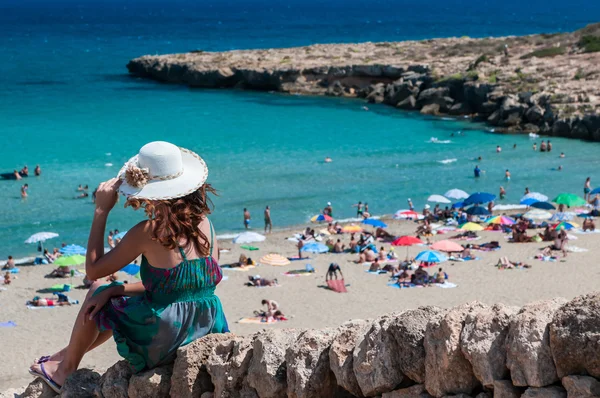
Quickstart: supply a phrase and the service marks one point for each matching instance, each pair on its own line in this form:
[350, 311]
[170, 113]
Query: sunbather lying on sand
[493, 245]
[375, 266]
[382, 234]
[258, 281]
[465, 235]
[47, 302]
[60, 272]
[505, 263]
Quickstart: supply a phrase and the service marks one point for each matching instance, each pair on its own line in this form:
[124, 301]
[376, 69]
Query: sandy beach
[303, 299]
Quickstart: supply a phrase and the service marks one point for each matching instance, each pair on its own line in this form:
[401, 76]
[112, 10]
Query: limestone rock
[336, 89]
[267, 372]
[461, 108]
[38, 389]
[114, 383]
[228, 366]
[575, 337]
[580, 131]
[190, 377]
[475, 95]
[376, 93]
[495, 117]
[535, 114]
[431, 109]
[416, 391]
[308, 373]
[581, 386]
[528, 355]
[505, 389]
[398, 92]
[483, 342]
[153, 383]
[434, 95]
[341, 354]
[374, 362]
[409, 103]
[545, 392]
[81, 384]
[561, 128]
[446, 368]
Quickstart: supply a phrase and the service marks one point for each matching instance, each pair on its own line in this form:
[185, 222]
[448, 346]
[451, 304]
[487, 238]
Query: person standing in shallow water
[174, 304]
[246, 218]
[268, 223]
[587, 188]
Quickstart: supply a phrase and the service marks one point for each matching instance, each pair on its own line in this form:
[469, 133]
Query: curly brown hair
[176, 220]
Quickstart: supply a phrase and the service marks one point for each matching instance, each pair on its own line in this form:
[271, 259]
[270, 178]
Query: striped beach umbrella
[274, 259]
[321, 218]
[502, 220]
[431, 256]
[471, 226]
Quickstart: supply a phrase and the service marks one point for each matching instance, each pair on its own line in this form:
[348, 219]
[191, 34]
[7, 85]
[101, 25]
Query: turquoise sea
[67, 103]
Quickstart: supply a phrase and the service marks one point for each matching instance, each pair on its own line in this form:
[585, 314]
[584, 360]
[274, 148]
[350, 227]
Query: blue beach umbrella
[479, 197]
[131, 269]
[543, 205]
[477, 211]
[431, 256]
[595, 191]
[458, 205]
[314, 247]
[71, 250]
[374, 222]
[528, 201]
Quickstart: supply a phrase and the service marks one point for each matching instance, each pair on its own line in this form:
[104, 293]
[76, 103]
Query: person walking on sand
[24, 190]
[587, 188]
[175, 303]
[268, 223]
[37, 171]
[246, 218]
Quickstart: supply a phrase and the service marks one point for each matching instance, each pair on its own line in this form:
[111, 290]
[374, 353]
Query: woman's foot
[52, 371]
[58, 356]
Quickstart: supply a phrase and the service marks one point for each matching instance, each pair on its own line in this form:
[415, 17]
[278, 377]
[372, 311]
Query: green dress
[178, 307]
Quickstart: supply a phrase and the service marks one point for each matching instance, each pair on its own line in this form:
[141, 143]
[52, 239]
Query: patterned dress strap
[182, 253]
[211, 237]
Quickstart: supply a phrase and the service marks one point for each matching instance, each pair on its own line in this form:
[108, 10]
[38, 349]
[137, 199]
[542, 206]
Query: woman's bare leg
[102, 338]
[84, 337]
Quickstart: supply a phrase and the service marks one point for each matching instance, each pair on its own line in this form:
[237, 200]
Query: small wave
[108, 164]
[108, 153]
[534, 135]
[19, 261]
[434, 140]
[509, 207]
[226, 236]
[447, 161]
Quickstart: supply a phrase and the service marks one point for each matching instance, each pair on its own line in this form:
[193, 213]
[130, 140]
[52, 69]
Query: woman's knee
[94, 287]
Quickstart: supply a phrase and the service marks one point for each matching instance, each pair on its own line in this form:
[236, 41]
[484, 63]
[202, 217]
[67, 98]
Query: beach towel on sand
[337, 285]
[257, 320]
[296, 258]
[376, 272]
[12, 270]
[298, 272]
[239, 269]
[248, 247]
[9, 324]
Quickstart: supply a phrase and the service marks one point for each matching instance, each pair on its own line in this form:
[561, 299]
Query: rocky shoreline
[547, 84]
[545, 349]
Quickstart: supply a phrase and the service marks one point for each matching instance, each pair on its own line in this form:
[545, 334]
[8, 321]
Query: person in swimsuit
[175, 302]
[498, 149]
[110, 240]
[411, 207]
[502, 193]
[268, 223]
[10, 263]
[562, 155]
[332, 272]
[328, 210]
[246, 218]
[477, 171]
[534, 147]
[549, 146]
[359, 209]
[47, 302]
[526, 191]
[17, 175]
[587, 188]
[543, 146]
[507, 175]
[24, 189]
[24, 171]
[37, 171]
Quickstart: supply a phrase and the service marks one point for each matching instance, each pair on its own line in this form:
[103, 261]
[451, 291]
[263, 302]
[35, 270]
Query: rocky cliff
[547, 83]
[545, 349]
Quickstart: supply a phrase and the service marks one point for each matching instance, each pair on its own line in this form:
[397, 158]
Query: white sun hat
[162, 170]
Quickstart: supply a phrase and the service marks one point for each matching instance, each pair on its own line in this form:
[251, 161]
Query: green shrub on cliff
[589, 43]
[545, 53]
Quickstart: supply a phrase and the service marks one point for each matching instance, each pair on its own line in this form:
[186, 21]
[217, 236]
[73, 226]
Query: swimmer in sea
[24, 189]
[480, 158]
[502, 193]
[328, 160]
[507, 175]
[562, 155]
[37, 171]
[246, 218]
[82, 195]
[534, 146]
[17, 175]
[515, 146]
[365, 108]
[526, 190]
[559, 168]
[498, 149]
[477, 172]
[410, 205]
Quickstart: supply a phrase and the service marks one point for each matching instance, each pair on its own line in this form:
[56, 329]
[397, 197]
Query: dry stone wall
[547, 349]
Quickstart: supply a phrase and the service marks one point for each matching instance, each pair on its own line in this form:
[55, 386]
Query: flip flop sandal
[47, 379]
[42, 360]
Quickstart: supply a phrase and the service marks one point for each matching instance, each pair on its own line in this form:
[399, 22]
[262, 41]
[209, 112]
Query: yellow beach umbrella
[274, 259]
[471, 226]
[351, 229]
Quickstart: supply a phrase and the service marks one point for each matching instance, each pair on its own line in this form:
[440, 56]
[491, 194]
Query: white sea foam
[534, 135]
[434, 140]
[108, 164]
[509, 207]
[226, 236]
[108, 153]
[447, 161]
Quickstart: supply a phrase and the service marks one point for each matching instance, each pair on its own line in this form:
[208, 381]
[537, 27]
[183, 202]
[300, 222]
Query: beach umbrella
[536, 196]
[477, 211]
[431, 256]
[528, 201]
[447, 246]
[566, 216]
[321, 218]
[471, 226]
[40, 238]
[502, 220]
[249, 237]
[68, 261]
[479, 198]
[407, 214]
[569, 199]
[70, 250]
[458, 205]
[407, 241]
[595, 191]
[567, 225]
[543, 205]
[438, 199]
[274, 259]
[314, 247]
[537, 214]
[131, 269]
[351, 229]
[374, 222]
[456, 194]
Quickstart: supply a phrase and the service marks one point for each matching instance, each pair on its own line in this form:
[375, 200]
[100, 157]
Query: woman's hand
[95, 304]
[107, 194]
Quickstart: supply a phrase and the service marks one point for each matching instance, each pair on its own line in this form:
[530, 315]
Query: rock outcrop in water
[546, 83]
[546, 349]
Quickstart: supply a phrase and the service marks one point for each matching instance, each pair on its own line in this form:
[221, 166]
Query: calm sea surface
[67, 103]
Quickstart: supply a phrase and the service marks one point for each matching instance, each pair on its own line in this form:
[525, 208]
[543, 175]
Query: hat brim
[195, 173]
